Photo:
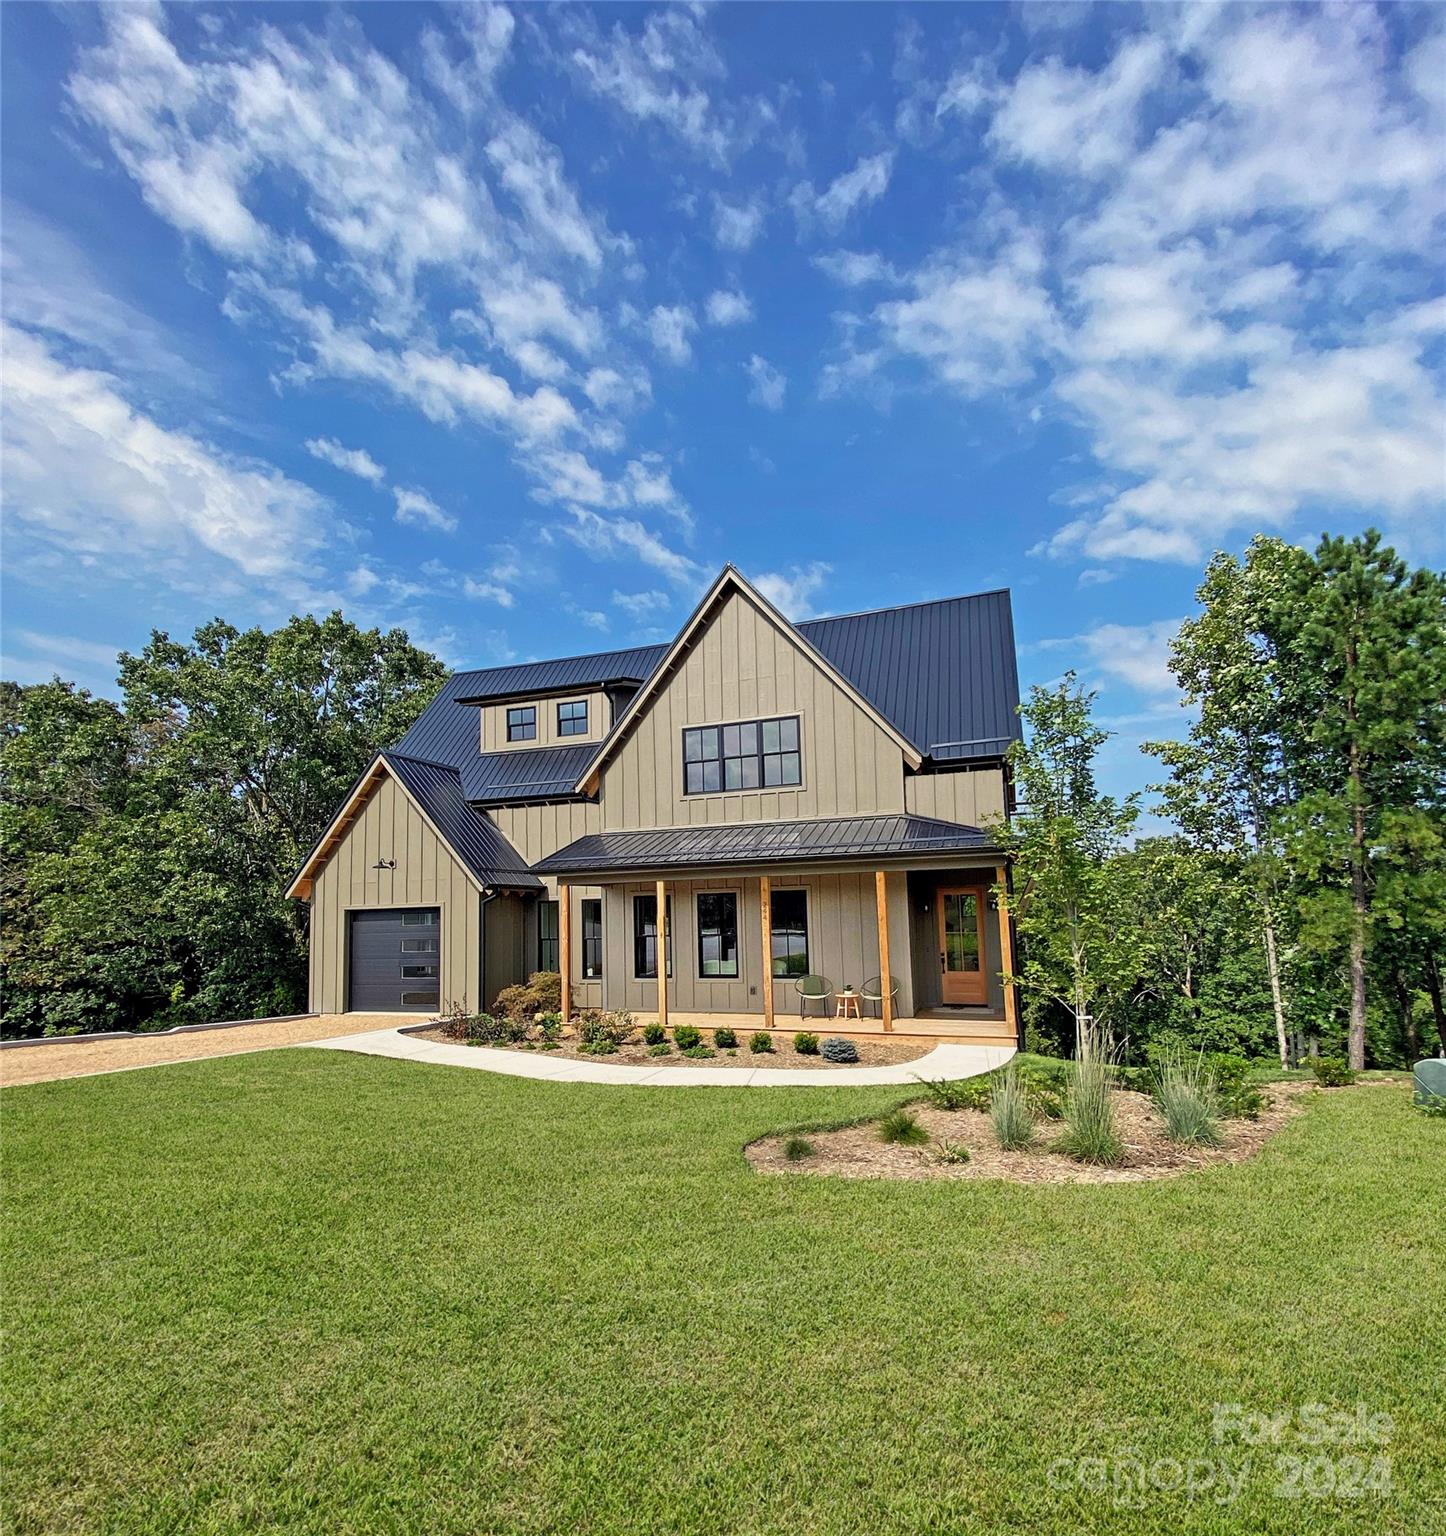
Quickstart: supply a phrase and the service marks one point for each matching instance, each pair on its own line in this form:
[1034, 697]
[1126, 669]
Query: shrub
[806, 1044]
[1009, 1110]
[796, 1148]
[1185, 1097]
[952, 1152]
[660, 1048]
[1237, 1097]
[1046, 1084]
[760, 1042]
[685, 1037]
[837, 1049]
[1433, 1106]
[1331, 1072]
[654, 1034]
[1090, 1134]
[700, 1051]
[542, 994]
[964, 1093]
[725, 1039]
[598, 1048]
[453, 1023]
[549, 1027]
[594, 1027]
[901, 1129]
[484, 1029]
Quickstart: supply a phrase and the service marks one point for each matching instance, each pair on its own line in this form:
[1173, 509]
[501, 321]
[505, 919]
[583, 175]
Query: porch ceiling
[895, 838]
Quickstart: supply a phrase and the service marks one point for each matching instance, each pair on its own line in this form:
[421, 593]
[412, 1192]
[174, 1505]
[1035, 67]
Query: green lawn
[306, 1291]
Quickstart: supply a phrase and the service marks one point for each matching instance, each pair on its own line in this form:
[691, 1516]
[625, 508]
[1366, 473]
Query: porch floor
[937, 1027]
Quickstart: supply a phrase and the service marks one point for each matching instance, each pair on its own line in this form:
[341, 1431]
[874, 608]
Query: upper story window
[754, 754]
[572, 718]
[522, 723]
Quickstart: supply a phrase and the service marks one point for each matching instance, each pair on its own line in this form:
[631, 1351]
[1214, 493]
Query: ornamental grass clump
[901, 1129]
[1010, 1112]
[796, 1148]
[1186, 1098]
[1090, 1135]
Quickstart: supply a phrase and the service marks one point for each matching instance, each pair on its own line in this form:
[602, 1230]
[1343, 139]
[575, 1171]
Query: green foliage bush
[595, 1027]
[1010, 1112]
[962, 1093]
[685, 1037]
[542, 994]
[485, 1029]
[700, 1051]
[1089, 1114]
[654, 1033]
[1331, 1072]
[725, 1039]
[1236, 1096]
[660, 1048]
[549, 1027]
[901, 1129]
[760, 1042]
[796, 1148]
[805, 1044]
[952, 1152]
[1433, 1106]
[838, 1050]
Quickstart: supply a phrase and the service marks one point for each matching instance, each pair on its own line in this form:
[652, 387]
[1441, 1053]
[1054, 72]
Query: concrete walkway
[944, 1061]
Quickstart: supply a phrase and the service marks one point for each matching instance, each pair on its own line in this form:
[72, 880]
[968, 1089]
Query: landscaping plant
[660, 1048]
[1185, 1097]
[796, 1148]
[549, 1027]
[1009, 1110]
[901, 1129]
[805, 1044]
[963, 1093]
[700, 1051]
[1089, 1115]
[725, 1039]
[952, 1152]
[685, 1037]
[838, 1050]
[602, 1033]
[760, 1043]
[1331, 1072]
[654, 1033]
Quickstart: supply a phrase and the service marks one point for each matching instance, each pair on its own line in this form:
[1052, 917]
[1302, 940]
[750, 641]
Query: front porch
[933, 1026]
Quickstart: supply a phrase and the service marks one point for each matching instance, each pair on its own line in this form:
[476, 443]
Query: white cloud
[355, 461]
[90, 476]
[853, 269]
[670, 326]
[865, 183]
[362, 580]
[793, 591]
[642, 607]
[767, 384]
[619, 537]
[727, 308]
[737, 225]
[1136, 654]
[490, 591]
[418, 509]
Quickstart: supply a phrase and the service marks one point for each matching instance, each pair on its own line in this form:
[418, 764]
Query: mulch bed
[871, 1054]
[857, 1153]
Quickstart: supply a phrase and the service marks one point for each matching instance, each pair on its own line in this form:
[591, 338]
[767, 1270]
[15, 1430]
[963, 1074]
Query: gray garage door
[394, 961]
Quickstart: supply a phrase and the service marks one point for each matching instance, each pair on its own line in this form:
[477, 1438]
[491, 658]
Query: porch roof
[895, 837]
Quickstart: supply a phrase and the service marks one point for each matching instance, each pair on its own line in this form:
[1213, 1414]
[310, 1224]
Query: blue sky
[511, 326]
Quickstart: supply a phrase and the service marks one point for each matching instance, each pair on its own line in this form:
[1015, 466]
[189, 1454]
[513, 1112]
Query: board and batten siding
[973, 797]
[843, 943]
[389, 826]
[494, 721]
[740, 666]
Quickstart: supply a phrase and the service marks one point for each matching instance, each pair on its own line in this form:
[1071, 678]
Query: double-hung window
[789, 937]
[592, 938]
[572, 718]
[522, 723]
[645, 937]
[717, 934]
[751, 754]
[547, 943]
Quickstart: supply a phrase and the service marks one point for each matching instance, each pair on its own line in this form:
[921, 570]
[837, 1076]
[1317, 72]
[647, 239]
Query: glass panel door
[961, 946]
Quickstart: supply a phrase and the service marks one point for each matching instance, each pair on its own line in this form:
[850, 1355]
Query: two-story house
[691, 828]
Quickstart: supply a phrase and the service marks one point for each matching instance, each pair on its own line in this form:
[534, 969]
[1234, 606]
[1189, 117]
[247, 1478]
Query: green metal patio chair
[872, 991]
[814, 989]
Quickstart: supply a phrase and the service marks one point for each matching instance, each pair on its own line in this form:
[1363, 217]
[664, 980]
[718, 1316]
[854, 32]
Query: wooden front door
[961, 944]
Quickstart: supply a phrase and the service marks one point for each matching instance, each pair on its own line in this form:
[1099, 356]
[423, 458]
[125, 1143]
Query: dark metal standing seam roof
[944, 673]
[840, 837]
[475, 840]
[527, 773]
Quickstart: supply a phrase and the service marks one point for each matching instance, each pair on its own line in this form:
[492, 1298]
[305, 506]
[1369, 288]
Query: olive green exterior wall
[494, 722]
[740, 666]
[389, 826]
[974, 797]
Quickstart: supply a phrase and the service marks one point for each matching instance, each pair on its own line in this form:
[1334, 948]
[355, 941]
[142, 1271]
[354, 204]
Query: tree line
[1302, 895]
[1299, 895]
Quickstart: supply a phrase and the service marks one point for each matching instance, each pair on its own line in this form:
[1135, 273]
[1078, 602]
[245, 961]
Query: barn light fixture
[385, 864]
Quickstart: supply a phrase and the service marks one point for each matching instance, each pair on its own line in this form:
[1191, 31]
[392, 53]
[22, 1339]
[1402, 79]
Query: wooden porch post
[564, 945]
[881, 895]
[1006, 952]
[765, 907]
[662, 927]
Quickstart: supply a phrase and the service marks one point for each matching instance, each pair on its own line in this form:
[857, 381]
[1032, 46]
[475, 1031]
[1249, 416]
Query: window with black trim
[645, 937]
[717, 934]
[522, 723]
[572, 718]
[547, 944]
[789, 936]
[592, 938]
[751, 754]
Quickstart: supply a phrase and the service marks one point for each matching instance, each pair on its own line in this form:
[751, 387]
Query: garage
[395, 960]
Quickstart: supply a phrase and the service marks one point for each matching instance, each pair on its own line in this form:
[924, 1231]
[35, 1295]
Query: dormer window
[522, 723]
[572, 718]
[753, 754]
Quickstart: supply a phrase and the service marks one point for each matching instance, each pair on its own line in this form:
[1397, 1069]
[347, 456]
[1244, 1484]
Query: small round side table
[848, 1005]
